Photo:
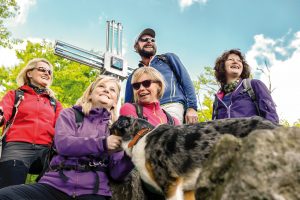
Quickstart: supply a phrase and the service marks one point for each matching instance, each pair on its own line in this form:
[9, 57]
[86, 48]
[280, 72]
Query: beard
[147, 54]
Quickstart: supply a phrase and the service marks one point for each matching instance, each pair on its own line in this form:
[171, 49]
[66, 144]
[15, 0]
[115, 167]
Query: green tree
[205, 88]
[8, 9]
[70, 78]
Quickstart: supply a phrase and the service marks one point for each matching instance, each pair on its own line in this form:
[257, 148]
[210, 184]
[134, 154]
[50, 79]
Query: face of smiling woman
[41, 75]
[147, 94]
[105, 94]
[233, 68]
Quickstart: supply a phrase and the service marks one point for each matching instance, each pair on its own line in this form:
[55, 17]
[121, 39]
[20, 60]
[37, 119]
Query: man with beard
[179, 98]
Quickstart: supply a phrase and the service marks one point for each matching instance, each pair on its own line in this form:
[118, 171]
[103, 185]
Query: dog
[169, 158]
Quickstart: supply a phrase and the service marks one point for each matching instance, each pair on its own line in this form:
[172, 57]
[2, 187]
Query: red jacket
[35, 120]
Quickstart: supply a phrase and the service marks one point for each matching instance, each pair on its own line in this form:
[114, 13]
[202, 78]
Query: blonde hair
[23, 79]
[85, 102]
[154, 76]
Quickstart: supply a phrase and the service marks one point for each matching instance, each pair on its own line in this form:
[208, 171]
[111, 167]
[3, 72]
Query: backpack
[247, 88]
[139, 112]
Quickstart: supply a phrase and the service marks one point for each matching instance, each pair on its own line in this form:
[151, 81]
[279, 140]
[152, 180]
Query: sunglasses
[145, 84]
[42, 69]
[147, 39]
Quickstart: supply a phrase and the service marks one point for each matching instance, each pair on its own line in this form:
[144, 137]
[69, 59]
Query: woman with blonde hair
[148, 87]
[87, 155]
[29, 127]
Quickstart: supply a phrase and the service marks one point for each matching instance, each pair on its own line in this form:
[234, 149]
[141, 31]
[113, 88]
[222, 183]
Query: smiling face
[233, 68]
[105, 94]
[145, 94]
[146, 46]
[40, 75]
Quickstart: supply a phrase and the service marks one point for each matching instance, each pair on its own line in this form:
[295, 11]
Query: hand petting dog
[114, 143]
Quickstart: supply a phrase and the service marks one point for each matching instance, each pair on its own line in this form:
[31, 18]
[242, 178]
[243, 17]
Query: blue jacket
[180, 91]
[76, 144]
[241, 104]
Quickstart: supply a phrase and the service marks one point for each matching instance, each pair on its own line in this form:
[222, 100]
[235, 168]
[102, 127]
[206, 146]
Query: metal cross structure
[111, 63]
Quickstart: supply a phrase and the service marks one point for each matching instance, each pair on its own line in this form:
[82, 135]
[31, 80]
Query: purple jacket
[88, 140]
[241, 104]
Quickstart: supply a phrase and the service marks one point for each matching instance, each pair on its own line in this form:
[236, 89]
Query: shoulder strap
[165, 59]
[19, 96]
[78, 117]
[215, 106]
[139, 111]
[53, 103]
[169, 118]
[248, 88]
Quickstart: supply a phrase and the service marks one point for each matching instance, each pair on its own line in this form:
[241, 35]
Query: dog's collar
[139, 134]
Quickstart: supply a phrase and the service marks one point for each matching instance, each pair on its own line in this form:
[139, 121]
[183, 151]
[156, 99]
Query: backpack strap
[53, 103]
[78, 117]
[19, 96]
[139, 111]
[248, 88]
[169, 118]
[215, 106]
[165, 59]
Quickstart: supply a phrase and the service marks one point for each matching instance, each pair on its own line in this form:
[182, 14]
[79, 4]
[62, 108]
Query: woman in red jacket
[31, 132]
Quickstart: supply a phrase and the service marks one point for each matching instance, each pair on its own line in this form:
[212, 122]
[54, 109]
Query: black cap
[147, 31]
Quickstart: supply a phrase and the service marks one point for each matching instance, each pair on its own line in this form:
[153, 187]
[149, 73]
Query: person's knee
[12, 172]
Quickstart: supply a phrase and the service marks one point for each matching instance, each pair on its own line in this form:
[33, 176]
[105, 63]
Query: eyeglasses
[145, 84]
[148, 39]
[42, 69]
[234, 60]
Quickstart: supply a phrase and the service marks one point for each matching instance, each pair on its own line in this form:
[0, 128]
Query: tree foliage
[70, 78]
[8, 9]
[205, 88]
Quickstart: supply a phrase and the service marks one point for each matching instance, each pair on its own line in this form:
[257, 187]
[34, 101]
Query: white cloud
[187, 3]
[8, 57]
[283, 58]
[21, 18]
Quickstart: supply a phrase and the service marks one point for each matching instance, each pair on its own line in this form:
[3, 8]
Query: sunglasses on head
[42, 69]
[148, 39]
[145, 84]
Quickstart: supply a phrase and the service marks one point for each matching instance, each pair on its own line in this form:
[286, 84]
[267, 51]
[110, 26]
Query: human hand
[113, 143]
[191, 116]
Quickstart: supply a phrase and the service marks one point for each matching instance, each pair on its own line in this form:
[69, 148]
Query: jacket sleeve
[128, 91]
[185, 81]
[265, 102]
[120, 165]
[69, 143]
[7, 104]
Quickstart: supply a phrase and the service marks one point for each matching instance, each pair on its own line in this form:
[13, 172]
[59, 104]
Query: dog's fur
[169, 158]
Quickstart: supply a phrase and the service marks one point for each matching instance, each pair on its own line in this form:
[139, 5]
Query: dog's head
[128, 127]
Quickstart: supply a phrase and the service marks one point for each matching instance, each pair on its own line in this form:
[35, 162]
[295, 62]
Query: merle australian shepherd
[169, 158]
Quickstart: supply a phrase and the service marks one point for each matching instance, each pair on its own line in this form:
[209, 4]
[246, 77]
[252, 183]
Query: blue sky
[196, 30]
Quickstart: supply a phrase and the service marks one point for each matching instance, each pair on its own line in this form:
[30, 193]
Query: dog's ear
[124, 122]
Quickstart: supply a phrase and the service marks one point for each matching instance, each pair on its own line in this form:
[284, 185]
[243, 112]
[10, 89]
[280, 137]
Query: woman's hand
[114, 143]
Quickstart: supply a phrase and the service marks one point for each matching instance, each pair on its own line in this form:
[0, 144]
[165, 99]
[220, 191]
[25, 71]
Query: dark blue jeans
[40, 191]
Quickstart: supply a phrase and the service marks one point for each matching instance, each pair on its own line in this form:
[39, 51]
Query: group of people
[86, 156]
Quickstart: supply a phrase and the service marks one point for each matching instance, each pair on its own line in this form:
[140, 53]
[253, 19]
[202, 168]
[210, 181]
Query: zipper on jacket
[155, 114]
